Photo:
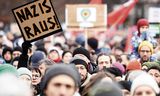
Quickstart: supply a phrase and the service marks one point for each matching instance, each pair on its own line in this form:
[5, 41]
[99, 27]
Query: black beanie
[82, 51]
[125, 85]
[80, 62]
[93, 43]
[60, 69]
[113, 70]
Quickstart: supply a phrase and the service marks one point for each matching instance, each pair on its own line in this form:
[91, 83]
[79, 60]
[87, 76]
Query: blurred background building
[140, 10]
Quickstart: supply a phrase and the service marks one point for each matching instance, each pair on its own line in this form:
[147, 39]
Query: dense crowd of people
[66, 68]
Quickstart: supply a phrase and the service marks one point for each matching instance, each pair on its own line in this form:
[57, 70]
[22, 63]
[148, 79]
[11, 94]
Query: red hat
[133, 65]
[140, 23]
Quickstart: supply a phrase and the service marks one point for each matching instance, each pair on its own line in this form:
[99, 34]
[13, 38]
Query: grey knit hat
[58, 69]
[105, 89]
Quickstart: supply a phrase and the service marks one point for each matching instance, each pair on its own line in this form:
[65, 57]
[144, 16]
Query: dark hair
[65, 53]
[17, 49]
[105, 54]
[15, 59]
[42, 49]
[6, 49]
[58, 45]
[154, 67]
[36, 70]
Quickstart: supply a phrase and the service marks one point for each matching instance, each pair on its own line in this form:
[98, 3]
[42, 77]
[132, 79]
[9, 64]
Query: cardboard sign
[86, 13]
[37, 20]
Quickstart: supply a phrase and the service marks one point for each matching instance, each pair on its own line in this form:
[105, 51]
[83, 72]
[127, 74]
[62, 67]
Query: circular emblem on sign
[85, 13]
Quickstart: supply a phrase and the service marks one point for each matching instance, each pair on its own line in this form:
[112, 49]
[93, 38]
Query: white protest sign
[86, 14]
[154, 15]
[37, 20]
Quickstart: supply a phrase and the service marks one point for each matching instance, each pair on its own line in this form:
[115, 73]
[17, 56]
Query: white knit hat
[24, 71]
[144, 79]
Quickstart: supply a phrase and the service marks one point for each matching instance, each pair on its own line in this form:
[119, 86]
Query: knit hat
[24, 71]
[140, 23]
[7, 68]
[144, 79]
[145, 43]
[93, 43]
[125, 85]
[105, 89]
[133, 65]
[113, 70]
[82, 51]
[150, 64]
[77, 61]
[12, 86]
[133, 74]
[80, 39]
[119, 66]
[36, 57]
[60, 69]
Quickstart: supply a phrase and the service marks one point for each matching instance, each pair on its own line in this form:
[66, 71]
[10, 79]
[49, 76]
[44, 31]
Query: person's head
[82, 53]
[145, 50]
[44, 64]
[155, 72]
[36, 57]
[144, 85]
[7, 54]
[7, 68]
[17, 51]
[118, 50]
[147, 65]
[119, 66]
[125, 59]
[130, 76]
[81, 66]
[25, 75]
[133, 65]
[99, 77]
[93, 43]
[59, 46]
[66, 56]
[12, 86]
[116, 72]
[105, 89]
[125, 87]
[15, 62]
[142, 25]
[103, 60]
[54, 55]
[60, 80]
[36, 76]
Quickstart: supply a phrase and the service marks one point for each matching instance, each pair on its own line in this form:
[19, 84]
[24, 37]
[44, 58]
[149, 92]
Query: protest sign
[37, 20]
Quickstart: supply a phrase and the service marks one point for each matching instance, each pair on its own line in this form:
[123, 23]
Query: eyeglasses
[36, 76]
[143, 51]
